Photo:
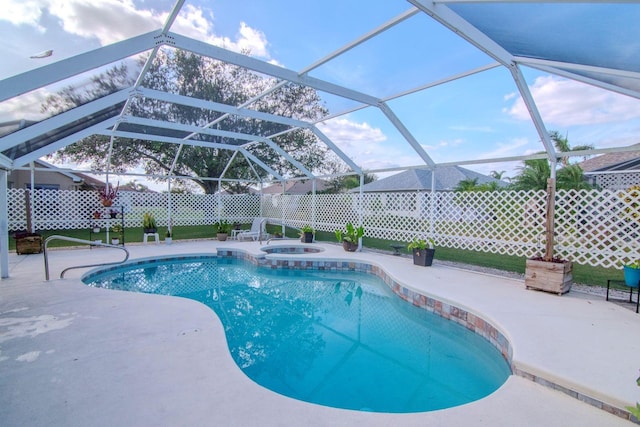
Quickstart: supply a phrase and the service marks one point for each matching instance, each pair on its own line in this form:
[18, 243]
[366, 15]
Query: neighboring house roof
[73, 176]
[447, 178]
[296, 187]
[91, 182]
[613, 161]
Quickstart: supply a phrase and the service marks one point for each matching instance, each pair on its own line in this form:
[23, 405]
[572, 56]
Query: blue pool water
[332, 338]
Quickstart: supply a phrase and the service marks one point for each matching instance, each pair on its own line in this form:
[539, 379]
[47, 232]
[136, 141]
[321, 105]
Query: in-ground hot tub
[292, 249]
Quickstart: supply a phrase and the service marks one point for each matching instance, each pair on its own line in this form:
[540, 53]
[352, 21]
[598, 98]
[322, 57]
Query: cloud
[110, 21]
[368, 146]
[564, 103]
[443, 144]
[507, 149]
[348, 134]
[22, 12]
[462, 128]
[26, 106]
[107, 20]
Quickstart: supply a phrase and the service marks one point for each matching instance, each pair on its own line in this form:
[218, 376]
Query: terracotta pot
[107, 203]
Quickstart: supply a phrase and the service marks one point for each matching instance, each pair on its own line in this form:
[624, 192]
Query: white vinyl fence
[599, 228]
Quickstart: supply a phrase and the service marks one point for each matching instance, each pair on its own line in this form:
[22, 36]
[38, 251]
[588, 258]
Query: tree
[468, 184]
[497, 174]
[535, 173]
[190, 75]
[562, 144]
[471, 184]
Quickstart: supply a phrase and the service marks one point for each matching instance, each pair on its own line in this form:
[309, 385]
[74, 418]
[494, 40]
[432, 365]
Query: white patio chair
[257, 228]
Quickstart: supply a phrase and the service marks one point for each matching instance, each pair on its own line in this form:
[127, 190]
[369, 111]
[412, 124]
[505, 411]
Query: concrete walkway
[78, 356]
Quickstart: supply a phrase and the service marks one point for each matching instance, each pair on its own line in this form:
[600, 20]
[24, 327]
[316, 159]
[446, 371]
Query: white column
[4, 228]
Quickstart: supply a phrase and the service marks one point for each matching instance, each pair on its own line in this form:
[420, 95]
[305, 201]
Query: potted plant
[96, 228]
[113, 213]
[423, 251]
[168, 239]
[108, 194]
[116, 229]
[632, 274]
[350, 236]
[222, 228]
[149, 223]
[306, 234]
[97, 215]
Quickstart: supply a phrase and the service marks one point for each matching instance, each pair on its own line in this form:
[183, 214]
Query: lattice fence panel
[63, 209]
[617, 181]
[592, 227]
[598, 227]
[240, 207]
[394, 216]
[505, 222]
[333, 211]
[17, 209]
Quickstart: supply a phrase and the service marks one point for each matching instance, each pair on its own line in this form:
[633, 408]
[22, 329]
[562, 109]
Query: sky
[478, 117]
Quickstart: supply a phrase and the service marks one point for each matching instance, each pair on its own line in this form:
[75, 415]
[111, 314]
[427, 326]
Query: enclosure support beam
[4, 226]
[533, 111]
[361, 209]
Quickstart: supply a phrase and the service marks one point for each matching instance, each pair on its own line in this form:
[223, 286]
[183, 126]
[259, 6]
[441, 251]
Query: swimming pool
[339, 339]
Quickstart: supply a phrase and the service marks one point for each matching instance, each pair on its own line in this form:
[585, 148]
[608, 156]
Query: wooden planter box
[29, 244]
[556, 277]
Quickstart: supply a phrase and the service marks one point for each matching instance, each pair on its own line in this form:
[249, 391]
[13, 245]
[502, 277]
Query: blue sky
[481, 116]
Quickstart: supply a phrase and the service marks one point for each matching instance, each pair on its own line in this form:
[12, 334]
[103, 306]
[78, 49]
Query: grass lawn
[581, 273]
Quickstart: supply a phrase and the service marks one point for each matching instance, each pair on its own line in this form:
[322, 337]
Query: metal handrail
[87, 242]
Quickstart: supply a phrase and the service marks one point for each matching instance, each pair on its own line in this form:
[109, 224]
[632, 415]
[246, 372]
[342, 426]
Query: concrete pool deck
[76, 356]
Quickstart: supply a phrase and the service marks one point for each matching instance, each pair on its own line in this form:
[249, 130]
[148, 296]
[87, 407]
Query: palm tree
[533, 175]
[562, 145]
[468, 184]
[571, 177]
[497, 174]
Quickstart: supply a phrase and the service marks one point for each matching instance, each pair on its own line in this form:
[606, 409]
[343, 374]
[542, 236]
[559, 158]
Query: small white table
[155, 236]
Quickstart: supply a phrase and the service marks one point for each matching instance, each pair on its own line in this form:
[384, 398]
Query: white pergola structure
[495, 27]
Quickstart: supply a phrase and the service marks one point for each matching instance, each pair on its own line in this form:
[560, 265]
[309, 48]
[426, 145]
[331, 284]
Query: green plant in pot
[223, 228]
[350, 236]
[306, 234]
[149, 223]
[423, 251]
[116, 230]
[632, 274]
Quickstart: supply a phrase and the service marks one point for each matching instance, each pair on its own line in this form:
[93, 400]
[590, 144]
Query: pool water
[333, 338]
